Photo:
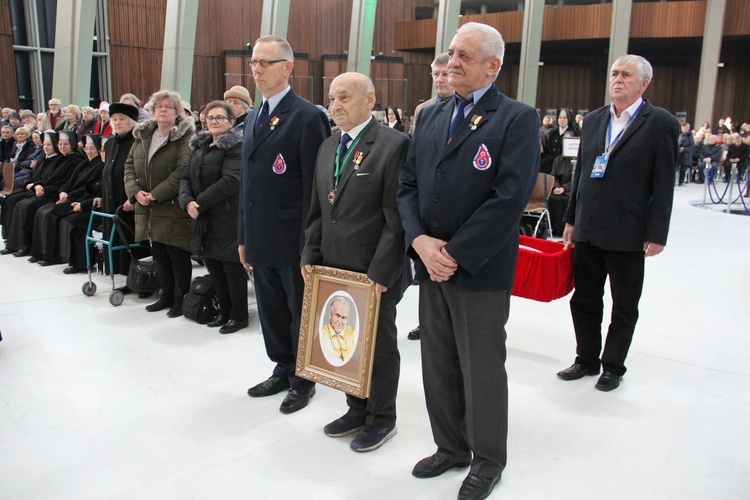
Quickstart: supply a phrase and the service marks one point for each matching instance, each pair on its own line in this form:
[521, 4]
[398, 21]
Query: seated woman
[72, 119]
[45, 191]
[557, 203]
[36, 154]
[84, 184]
[566, 127]
[41, 188]
[22, 149]
[28, 119]
[394, 119]
[89, 119]
[209, 192]
[23, 185]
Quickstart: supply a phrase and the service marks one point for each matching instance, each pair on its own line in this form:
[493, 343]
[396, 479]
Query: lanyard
[340, 167]
[609, 130]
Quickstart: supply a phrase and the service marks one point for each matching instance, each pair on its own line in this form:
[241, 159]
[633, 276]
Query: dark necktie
[262, 118]
[462, 103]
[343, 148]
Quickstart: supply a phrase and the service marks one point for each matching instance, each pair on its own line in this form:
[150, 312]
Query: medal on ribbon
[475, 121]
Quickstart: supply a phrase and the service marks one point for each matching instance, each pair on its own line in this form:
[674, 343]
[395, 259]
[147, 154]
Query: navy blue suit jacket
[471, 192]
[632, 203]
[277, 176]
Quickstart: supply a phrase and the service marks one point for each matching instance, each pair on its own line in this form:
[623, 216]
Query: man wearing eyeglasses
[439, 72]
[281, 138]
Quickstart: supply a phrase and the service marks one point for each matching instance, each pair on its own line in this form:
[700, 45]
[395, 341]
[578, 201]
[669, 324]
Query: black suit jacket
[361, 231]
[277, 173]
[448, 191]
[632, 203]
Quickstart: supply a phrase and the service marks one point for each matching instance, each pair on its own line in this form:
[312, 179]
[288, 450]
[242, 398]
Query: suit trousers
[463, 371]
[230, 283]
[279, 291]
[175, 270]
[591, 267]
[379, 409]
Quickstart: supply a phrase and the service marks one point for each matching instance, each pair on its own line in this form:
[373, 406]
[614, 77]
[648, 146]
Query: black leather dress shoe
[219, 321]
[269, 387]
[234, 326]
[33, 259]
[6, 251]
[576, 371]
[608, 382]
[296, 399]
[414, 334]
[159, 305]
[434, 465]
[23, 252]
[76, 270]
[45, 263]
[477, 487]
[175, 311]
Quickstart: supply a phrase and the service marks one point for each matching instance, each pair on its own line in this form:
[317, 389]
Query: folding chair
[537, 205]
[8, 173]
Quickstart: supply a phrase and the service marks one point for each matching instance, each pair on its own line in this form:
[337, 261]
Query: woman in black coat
[43, 189]
[23, 188]
[82, 187]
[123, 118]
[553, 143]
[209, 192]
[393, 119]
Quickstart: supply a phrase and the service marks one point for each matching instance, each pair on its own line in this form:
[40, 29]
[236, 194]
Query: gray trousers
[463, 370]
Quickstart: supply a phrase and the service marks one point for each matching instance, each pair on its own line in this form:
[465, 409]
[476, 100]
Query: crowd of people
[287, 185]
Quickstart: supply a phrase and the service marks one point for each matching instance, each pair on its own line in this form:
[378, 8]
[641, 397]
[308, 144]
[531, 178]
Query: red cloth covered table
[544, 271]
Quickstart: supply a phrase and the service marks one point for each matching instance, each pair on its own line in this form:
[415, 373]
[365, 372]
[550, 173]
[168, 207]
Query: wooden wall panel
[667, 19]
[136, 30]
[9, 89]
[565, 23]
[737, 18]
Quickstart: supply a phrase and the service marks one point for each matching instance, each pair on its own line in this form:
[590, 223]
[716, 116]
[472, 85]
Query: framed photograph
[337, 331]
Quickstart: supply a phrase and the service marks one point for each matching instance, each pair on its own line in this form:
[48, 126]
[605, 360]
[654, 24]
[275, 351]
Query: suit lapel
[485, 108]
[638, 121]
[363, 148]
[442, 125]
[275, 121]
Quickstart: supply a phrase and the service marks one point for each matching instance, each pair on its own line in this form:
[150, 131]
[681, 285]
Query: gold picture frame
[338, 329]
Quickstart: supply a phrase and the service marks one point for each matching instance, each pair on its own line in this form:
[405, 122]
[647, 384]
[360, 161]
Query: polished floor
[102, 402]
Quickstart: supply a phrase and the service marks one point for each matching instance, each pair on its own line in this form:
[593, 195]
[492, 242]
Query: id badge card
[600, 166]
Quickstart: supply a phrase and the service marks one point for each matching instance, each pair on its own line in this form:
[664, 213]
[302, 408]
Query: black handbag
[200, 303]
[143, 275]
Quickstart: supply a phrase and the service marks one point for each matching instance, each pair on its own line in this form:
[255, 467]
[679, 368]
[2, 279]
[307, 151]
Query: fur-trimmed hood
[146, 129]
[225, 141]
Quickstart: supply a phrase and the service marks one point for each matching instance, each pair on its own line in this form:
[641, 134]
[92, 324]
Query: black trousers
[591, 267]
[175, 270]
[379, 410]
[463, 370]
[230, 283]
[279, 291]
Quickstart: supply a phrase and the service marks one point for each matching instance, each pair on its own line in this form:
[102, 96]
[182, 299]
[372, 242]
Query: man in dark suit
[469, 173]
[354, 224]
[281, 137]
[443, 89]
[619, 211]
